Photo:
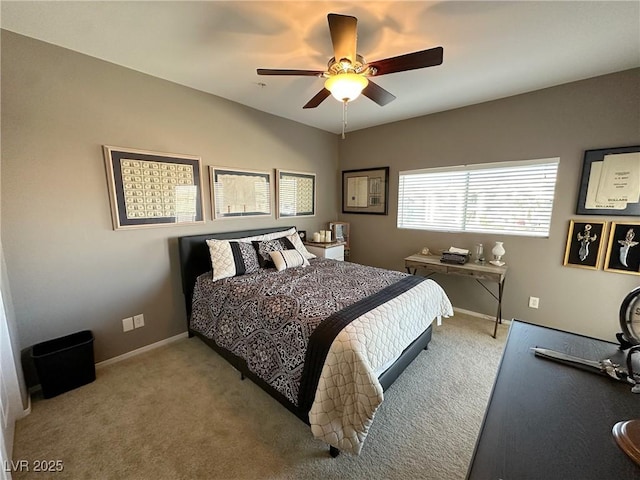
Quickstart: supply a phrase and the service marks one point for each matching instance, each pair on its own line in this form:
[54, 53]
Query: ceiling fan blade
[306, 73]
[378, 94]
[344, 34]
[409, 61]
[318, 99]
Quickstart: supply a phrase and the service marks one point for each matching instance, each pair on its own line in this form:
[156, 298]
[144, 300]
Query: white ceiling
[491, 49]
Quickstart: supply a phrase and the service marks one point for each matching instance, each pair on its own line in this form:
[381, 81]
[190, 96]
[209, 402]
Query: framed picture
[584, 244]
[340, 232]
[366, 191]
[240, 193]
[623, 249]
[296, 193]
[610, 183]
[150, 189]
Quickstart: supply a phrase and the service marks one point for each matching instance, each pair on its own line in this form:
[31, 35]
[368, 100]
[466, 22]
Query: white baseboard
[27, 410]
[471, 313]
[144, 349]
[36, 388]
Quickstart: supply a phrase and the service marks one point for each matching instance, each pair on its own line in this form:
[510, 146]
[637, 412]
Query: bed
[325, 338]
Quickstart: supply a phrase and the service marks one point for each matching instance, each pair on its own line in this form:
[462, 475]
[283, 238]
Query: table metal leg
[499, 314]
[499, 299]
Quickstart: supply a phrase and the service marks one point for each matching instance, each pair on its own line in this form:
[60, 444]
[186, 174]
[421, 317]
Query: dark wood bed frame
[195, 260]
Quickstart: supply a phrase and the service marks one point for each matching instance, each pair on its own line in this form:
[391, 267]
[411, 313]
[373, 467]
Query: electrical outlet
[138, 321]
[534, 302]
[127, 324]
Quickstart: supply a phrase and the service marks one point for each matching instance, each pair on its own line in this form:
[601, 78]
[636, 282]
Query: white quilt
[349, 393]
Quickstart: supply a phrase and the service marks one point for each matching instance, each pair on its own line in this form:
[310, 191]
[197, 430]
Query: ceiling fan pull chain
[344, 117]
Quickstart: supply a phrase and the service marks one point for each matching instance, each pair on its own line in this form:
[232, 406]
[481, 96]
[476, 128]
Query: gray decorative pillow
[263, 249]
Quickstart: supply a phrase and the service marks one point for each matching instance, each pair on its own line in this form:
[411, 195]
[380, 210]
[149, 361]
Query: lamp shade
[346, 87]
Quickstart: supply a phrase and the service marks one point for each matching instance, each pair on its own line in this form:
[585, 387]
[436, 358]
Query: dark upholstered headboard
[195, 259]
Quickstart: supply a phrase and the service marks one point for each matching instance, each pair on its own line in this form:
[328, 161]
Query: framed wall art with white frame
[151, 189]
[296, 194]
[240, 193]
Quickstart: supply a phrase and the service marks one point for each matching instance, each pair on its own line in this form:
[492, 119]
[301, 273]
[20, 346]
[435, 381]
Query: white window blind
[508, 197]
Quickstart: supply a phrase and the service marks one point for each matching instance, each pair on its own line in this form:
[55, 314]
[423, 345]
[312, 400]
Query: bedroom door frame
[11, 407]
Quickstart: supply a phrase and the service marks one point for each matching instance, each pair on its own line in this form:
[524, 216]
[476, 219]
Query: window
[515, 198]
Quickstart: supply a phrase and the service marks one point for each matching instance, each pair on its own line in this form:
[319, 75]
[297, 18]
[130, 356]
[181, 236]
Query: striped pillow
[284, 259]
[230, 259]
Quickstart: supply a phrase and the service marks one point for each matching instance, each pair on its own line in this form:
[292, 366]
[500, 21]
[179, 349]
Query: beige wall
[563, 122]
[68, 269]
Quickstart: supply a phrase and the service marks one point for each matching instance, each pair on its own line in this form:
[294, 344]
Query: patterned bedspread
[267, 318]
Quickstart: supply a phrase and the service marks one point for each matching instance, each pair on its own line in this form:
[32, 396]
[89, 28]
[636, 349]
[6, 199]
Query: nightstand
[326, 250]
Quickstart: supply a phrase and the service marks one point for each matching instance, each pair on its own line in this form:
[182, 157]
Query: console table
[431, 265]
[550, 421]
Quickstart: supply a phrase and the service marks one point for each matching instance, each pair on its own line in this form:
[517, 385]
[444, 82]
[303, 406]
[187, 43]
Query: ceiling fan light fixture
[346, 87]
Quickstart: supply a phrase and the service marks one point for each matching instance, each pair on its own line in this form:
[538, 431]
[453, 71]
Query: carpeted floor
[181, 412]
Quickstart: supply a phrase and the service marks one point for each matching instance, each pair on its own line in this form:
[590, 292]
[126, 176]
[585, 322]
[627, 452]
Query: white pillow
[295, 239]
[288, 258]
[275, 235]
[265, 236]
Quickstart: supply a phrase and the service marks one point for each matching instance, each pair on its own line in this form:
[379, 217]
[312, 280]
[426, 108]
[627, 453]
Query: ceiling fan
[348, 74]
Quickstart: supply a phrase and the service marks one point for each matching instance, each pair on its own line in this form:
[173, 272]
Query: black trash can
[64, 363]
